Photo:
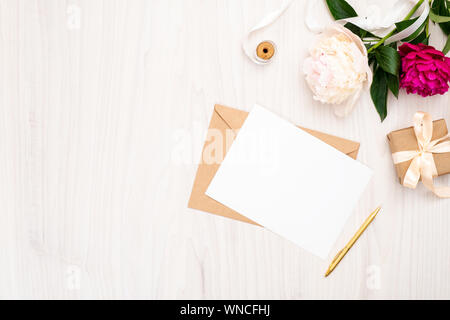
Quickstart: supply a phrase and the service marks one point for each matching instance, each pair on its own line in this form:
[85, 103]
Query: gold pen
[350, 244]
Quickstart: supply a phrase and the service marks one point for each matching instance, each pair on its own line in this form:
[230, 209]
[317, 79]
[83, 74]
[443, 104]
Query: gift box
[406, 140]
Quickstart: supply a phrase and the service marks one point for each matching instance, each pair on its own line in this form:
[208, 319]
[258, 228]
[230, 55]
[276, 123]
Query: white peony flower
[338, 68]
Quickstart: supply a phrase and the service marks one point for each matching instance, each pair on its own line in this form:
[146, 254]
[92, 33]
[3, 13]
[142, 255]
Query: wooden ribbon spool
[265, 51]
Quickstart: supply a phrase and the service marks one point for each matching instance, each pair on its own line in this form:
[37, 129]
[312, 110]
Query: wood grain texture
[104, 104]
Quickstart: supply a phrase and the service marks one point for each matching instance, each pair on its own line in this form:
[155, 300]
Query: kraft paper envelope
[290, 182]
[226, 120]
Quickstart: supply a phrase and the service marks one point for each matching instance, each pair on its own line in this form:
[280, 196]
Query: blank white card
[289, 182]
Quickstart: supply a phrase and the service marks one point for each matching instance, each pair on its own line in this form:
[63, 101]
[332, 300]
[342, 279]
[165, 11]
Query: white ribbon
[265, 22]
[412, 28]
[379, 21]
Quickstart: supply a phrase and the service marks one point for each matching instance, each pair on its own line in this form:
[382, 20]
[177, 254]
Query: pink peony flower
[425, 70]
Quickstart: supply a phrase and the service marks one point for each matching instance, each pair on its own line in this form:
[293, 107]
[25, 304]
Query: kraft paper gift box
[406, 140]
[227, 119]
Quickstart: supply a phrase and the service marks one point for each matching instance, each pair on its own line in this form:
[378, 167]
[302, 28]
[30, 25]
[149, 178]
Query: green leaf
[447, 46]
[379, 92]
[388, 59]
[393, 45]
[402, 25]
[393, 83]
[373, 60]
[441, 8]
[438, 19]
[416, 33]
[421, 38]
[359, 32]
[405, 24]
[340, 9]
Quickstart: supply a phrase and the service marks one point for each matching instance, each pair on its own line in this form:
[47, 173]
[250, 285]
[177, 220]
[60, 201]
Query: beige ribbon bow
[423, 164]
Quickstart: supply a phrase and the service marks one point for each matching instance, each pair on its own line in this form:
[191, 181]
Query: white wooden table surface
[103, 106]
